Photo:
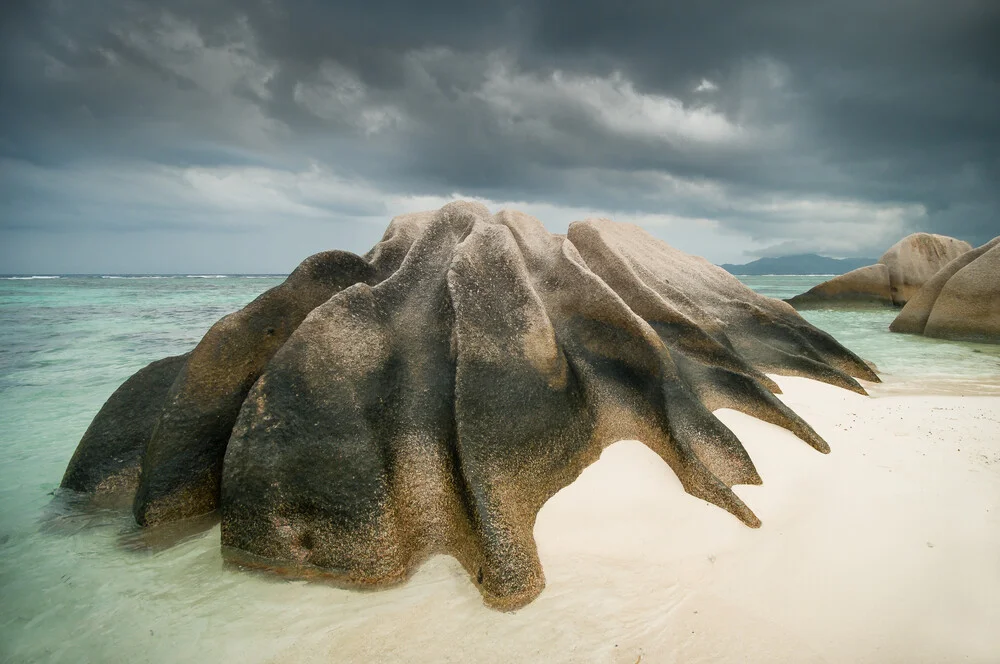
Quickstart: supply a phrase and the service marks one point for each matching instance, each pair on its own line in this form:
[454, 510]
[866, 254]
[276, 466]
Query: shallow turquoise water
[75, 586]
[88, 587]
[907, 362]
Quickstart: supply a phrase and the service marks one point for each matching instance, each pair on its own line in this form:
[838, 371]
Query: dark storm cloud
[834, 126]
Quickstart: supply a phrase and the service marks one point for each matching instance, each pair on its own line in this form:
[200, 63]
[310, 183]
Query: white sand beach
[885, 550]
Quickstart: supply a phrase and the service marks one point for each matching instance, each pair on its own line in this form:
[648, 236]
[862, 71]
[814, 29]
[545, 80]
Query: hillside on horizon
[798, 264]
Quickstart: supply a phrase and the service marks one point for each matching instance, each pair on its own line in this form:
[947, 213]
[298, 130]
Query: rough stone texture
[913, 317]
[967, 306]
[107, 460]
[865, 284]
[435, 406]
[898, 275]
[182, 464]
[915, 259]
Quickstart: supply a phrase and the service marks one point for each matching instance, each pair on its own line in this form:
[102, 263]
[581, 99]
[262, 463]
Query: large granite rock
[961, 301]
[898, 275]
[475, 367]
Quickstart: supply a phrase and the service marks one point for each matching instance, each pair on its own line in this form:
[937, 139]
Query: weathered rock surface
[915, 259]
[182, 465]
[864, 285]
[475, 367]
[108, 459]
[961, 301]
[898, 275]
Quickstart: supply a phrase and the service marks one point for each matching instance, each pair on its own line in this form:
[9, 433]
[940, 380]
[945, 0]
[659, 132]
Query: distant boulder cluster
[961, 301]
[946, 289]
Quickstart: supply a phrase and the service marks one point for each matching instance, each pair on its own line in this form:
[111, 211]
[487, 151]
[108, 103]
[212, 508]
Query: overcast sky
[241, 136]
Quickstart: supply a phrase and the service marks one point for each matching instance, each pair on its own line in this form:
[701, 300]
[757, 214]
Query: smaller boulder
[865, 284]
[108, 459]
[915, 259]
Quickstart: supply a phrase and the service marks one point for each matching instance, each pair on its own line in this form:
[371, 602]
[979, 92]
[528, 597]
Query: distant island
[798, 264]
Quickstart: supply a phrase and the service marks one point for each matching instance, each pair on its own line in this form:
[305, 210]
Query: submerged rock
[432, 396]
[899, 274]
[961, 301]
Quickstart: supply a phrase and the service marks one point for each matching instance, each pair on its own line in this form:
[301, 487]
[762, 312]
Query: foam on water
[89, 587]
[31, 277]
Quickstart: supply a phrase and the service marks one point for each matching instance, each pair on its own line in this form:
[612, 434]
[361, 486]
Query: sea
[87, 586]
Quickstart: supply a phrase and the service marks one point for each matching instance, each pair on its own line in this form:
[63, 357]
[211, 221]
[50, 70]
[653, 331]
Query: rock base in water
[960, 302]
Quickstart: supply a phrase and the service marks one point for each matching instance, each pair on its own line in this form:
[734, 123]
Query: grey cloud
[825, 126]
